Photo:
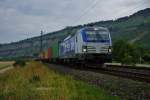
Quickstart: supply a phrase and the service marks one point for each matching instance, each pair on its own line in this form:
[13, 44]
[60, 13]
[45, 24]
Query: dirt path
[5, 69]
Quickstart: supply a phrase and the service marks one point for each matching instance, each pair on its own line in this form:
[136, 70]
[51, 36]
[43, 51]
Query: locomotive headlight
[109, 50]
[84, 48]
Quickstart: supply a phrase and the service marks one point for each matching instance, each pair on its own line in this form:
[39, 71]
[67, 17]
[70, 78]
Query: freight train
[89, 44]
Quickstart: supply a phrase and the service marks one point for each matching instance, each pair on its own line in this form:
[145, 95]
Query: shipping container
[49, 54]
[55, 49]
[40, 56]
[43, 55]
[46, 54]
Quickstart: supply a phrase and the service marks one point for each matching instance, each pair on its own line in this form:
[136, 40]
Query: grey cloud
[20, 17]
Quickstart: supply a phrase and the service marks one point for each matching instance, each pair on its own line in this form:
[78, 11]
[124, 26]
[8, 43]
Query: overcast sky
[20, 19]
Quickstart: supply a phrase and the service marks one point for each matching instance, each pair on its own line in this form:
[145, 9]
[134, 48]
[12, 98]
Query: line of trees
[129, 53]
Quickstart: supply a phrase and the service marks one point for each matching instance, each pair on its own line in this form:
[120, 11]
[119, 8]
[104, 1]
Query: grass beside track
[4, 64]
[37, 82]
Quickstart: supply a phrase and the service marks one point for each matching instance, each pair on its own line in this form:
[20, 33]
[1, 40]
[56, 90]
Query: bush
[146, 57]
[20, 63]
[125, 52]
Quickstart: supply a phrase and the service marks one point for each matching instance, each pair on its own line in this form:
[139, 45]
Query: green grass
[37, 82]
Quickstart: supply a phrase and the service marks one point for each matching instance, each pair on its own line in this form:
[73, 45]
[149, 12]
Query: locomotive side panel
[67, 48]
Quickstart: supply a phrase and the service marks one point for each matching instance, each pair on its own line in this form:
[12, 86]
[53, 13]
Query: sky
[21, 19]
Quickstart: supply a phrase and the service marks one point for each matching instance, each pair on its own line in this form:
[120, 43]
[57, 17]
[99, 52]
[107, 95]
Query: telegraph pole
[41, 41]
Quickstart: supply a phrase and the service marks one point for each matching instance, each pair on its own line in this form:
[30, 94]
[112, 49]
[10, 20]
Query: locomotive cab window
[97, 35]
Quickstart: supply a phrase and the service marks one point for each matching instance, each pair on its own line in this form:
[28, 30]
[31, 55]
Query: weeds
[34, 78]
[37, 82]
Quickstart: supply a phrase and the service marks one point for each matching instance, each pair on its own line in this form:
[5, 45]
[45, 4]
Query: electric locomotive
[89, 44]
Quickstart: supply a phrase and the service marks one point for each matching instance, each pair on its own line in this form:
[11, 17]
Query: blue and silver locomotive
[91, 44]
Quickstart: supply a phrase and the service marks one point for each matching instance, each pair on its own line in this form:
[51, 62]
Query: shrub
[20, 63]
[146, 57]
[125, 52]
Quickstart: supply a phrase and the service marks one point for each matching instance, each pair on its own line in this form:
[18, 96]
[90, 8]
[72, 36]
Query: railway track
[127, 88]
[131, 72]
[134, 73]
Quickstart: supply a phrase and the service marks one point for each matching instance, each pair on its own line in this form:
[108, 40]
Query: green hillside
[131, 27]
[134, 28]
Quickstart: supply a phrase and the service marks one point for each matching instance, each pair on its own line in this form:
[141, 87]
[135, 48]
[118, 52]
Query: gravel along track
[126, 72]
[127, 89]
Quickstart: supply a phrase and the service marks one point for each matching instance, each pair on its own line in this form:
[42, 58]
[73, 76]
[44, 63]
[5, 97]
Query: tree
[125, 52]
[146, 57]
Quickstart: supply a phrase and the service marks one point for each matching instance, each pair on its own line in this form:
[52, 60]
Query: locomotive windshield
[99, 35]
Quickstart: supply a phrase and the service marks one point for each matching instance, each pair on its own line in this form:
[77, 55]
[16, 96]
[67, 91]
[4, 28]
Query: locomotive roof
[95, 28]
[68, 37]
[86, 28]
